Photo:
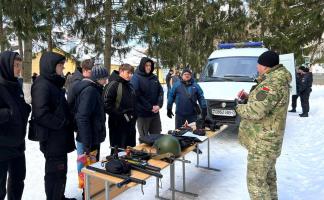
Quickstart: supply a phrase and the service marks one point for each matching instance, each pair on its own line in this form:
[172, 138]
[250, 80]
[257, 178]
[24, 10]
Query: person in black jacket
[119, 102]
[305, 90]
[14, 112]
[90, 117]
[80, 72]
[51, 115]
[149, 98]
[299, 76]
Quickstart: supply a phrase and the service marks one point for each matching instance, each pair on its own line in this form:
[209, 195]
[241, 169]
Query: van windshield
[231, 69]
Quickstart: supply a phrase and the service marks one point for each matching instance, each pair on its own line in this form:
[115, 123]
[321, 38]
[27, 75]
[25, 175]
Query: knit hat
[186, 70]
[99, 72]
[269, 59]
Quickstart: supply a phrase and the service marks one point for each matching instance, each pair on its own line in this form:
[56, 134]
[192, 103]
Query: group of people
[127, 99]
[304, 81]
[56, 114]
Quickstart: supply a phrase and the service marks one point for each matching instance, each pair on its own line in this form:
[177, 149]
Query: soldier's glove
[236, 103]
[170, 113]
[242, 97]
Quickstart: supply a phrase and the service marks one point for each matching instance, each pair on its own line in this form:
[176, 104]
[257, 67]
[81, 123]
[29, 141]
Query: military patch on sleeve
[261, 95]
[266, 89]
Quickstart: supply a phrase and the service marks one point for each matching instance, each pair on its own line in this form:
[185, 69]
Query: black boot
[292, 110]
[303, 115]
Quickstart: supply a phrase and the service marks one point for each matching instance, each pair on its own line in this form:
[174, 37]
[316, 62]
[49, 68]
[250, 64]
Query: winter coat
[298, 82]
[263, 118]
[127, 100]
[185, 106]
[122, 118]
[148, 89]
[50, 111]
[74, 79]
[14, 111]
[90, 116]
[306, 82]
[167, 80]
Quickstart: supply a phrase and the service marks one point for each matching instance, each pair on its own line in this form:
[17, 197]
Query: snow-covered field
[300, 168]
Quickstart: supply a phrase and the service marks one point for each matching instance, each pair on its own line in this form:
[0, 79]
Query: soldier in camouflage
[262, 126]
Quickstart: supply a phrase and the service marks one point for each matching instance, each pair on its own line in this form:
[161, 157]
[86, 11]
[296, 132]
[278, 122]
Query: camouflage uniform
[261, 130]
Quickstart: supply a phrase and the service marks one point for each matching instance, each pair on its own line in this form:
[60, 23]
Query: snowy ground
[300, 168]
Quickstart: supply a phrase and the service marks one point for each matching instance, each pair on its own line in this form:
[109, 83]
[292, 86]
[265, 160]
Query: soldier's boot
[303, 115]
[292, 110]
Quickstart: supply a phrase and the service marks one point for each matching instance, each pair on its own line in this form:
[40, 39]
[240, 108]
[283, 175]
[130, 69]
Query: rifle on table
[127, 179]
[144, 155]
[141, 166]
[142, 163]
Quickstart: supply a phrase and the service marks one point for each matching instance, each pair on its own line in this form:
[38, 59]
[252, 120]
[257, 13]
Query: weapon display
[126, 178]
[141, 166]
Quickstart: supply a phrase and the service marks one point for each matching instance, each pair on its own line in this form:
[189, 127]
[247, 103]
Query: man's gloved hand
[242, 97]
[170, 113]
[236, 103]
[128, 117]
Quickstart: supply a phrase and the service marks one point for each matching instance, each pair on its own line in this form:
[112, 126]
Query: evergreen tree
[99, 23]
[184, 32]
[289, 26]
[21, 14]
[2, 33]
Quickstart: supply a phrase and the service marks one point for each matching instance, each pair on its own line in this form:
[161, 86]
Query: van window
[231, 69]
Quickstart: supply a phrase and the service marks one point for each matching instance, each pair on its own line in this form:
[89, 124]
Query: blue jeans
[80, 151]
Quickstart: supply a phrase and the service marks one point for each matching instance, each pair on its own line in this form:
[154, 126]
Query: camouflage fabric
[261, 177]
[263, 118]
[261, 130]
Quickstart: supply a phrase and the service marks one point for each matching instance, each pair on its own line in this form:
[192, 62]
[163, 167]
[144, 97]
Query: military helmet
[167, 144]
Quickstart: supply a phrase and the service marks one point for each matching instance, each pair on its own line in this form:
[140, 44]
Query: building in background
[69, 65]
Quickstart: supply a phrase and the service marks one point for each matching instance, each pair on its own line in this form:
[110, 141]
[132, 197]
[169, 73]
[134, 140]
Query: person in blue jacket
[185, 94]
[149, 98]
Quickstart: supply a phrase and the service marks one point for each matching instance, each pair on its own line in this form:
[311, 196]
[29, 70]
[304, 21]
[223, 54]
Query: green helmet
[167, 144]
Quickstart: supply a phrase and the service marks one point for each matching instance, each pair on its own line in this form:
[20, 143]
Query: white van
[231, 68]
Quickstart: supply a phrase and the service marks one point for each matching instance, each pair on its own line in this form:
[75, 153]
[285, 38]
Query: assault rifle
[127, 179]
[141, 166]
[142, 163]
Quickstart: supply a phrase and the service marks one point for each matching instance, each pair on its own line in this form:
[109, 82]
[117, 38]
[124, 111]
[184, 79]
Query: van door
[288, 61]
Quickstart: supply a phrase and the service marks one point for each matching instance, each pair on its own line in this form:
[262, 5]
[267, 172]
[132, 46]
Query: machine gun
[139, 165]
[127, 179]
